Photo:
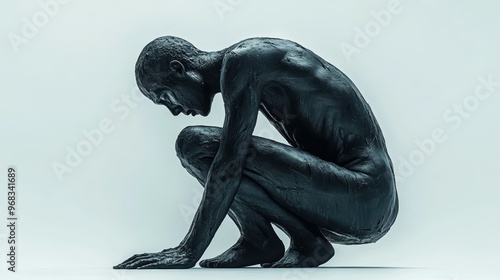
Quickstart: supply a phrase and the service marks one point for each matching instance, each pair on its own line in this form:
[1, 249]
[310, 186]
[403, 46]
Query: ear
[177, 67]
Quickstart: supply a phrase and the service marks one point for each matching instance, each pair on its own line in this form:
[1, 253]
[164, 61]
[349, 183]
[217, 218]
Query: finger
[137, 258]
[165, 262]
[129, 263]
[142, 262]
[134, 256]
[155, 265]
[160, 265]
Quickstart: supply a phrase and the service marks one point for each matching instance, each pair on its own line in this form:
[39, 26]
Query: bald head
[169, 72]
[154, 62]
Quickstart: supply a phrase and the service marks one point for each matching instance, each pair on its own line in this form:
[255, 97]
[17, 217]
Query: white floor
[357, 273]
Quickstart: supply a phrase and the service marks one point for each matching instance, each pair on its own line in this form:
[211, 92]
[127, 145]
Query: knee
[193, 140]
[185, 141]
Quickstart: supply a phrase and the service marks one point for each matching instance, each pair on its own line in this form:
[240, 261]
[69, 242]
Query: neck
[209, 65]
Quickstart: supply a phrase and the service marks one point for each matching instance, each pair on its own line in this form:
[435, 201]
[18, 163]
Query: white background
[130, 193]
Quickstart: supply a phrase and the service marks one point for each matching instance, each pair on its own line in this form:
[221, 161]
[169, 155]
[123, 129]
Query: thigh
[324, 194]
[318, 191]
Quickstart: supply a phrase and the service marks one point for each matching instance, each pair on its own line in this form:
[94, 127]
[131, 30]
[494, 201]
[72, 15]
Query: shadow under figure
[334, 183]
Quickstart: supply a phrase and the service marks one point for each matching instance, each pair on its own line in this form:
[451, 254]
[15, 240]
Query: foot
[244, 253]
[305, 255]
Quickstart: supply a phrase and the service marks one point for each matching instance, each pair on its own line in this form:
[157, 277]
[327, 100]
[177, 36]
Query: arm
[241, 94]
[241, 101]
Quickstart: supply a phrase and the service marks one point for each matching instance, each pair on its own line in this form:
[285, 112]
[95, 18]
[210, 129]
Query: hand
[177, 257]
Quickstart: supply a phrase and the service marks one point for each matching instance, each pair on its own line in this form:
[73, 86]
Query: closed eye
[167, 97]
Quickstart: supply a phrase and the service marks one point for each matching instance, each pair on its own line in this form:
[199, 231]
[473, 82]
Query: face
[181, 92]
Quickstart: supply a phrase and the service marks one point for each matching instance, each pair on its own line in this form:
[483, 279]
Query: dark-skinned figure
[332, 183]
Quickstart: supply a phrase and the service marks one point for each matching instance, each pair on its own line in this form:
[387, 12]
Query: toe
[209, 263]
[203, 263]
[267, 265]
[281, 265]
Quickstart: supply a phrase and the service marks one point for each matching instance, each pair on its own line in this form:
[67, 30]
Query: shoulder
[260, 54]
[242, 52]
[241, 63]
[258, 50]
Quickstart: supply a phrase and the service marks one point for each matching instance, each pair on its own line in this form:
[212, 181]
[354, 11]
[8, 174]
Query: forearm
[225, 175]
[220, 189]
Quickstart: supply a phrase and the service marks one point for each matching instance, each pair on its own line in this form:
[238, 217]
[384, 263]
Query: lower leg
[196, 148]
[308, 247]
[257, 244]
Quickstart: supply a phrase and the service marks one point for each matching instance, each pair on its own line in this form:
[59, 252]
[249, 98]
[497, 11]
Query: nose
[177, 110]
